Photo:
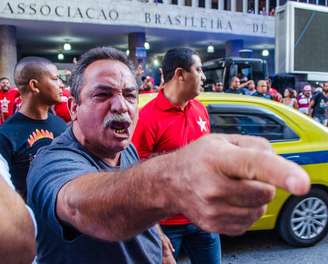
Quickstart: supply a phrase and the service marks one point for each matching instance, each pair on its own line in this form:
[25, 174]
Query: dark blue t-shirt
[20, 139]
[320, 104]
[53, 167]
[235, 91]
[263, 95]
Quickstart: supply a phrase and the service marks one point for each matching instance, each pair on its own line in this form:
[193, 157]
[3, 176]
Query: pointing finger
[263, 166]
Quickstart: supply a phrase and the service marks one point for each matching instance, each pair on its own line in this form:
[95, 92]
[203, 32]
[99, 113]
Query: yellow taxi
[300, 221]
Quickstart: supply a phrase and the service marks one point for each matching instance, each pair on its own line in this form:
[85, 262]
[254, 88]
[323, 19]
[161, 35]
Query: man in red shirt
[170, 121]
[276, 96]
[7, 99]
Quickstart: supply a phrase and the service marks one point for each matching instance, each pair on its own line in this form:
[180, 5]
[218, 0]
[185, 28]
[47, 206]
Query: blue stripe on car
[306, 158]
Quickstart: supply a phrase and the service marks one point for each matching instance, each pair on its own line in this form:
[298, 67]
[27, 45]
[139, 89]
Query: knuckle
[213, 193]
[266, 194]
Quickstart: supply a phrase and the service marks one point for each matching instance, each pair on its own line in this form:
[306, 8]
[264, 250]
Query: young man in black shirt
[33, 126]
[319, 105]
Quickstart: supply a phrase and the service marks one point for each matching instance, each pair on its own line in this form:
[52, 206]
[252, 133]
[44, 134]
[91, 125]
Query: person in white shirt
[17, 226]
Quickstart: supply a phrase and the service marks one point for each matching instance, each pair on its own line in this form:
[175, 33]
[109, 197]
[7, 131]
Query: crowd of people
[90, 199]
[309, 101]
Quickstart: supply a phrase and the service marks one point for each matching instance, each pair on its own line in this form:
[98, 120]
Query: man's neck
[109, 158]
[173, 94]
[34, 111]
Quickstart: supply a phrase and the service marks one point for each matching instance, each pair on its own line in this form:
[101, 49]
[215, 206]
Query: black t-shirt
[320, 104]
[20, 139]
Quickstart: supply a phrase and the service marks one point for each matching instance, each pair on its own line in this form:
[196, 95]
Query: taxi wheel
[304, 220]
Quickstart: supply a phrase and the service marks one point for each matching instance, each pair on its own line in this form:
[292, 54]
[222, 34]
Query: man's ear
[72, 106]
[33, 86]
[178, 74]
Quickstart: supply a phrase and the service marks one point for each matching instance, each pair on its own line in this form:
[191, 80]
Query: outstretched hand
[230, 179]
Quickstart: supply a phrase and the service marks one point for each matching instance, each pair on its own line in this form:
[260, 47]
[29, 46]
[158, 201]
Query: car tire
[304, 220]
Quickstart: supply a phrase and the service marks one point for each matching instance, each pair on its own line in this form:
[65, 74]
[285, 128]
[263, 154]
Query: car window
[255, 123]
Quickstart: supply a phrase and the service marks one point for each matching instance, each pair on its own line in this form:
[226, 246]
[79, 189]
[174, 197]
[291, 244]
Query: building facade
[216, 28]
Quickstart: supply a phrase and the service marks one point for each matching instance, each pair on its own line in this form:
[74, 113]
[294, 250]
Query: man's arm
[311, 106]
[17, 234]
[245, 84]
[216, 181]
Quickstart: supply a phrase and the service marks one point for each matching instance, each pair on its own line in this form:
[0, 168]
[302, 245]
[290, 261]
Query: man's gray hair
[100, 53]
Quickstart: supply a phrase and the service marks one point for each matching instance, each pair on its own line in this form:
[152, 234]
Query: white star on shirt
[202, 124]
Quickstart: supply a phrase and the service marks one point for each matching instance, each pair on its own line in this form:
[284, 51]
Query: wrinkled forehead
[114, 73]
[4, 81]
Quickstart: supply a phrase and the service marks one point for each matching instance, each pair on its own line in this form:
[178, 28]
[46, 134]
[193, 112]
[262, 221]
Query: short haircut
[177, 58]
[4, 78]
[29, 68]
[234, 78]
[100, 53]
[261, 82]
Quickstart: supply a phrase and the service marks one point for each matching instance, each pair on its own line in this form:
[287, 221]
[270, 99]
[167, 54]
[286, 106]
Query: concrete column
[138, 52]
[245, 6]
[232, 47]
[233, 5]
[277, 3]
[181, 3]
[221, 4]
[195, 3]
[208, 4]
[267, 7]
[8, 52]
[256, 7]
[166, 2]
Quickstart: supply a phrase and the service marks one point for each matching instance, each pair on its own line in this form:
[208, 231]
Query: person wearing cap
[304, 99]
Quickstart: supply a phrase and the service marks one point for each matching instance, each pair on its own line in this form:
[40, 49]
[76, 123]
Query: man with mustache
[94, 204]
[32, 126]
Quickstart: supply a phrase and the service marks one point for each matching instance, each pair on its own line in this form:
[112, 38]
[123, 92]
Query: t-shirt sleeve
[144, 139]
[49, 172]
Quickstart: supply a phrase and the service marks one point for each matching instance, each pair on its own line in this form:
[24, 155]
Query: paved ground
[267, 248]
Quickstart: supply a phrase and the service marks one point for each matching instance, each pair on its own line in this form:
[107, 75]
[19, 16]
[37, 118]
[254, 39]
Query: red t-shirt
[164, 127]
[7, 103]
[61, 109]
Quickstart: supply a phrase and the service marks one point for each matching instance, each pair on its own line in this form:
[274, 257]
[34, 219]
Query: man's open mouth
[120, 127]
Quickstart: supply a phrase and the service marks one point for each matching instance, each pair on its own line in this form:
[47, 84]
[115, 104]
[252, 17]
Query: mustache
[124, 118]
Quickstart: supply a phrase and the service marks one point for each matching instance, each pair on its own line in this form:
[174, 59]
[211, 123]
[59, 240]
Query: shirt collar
[165, 105]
